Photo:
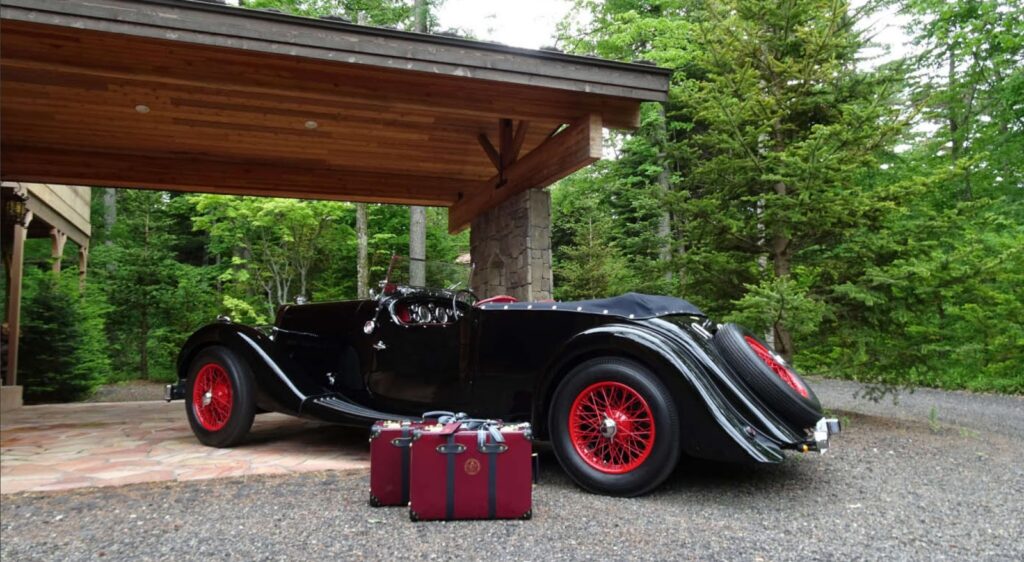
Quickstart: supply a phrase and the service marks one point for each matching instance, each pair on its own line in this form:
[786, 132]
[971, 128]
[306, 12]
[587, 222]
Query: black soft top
[630, 305]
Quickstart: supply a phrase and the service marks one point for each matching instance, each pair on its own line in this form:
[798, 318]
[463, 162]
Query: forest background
[866, 214]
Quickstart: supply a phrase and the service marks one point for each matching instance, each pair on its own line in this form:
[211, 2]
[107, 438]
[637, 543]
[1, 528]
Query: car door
[418, 367]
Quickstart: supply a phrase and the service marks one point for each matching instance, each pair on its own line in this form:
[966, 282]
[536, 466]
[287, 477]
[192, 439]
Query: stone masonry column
[511, 248]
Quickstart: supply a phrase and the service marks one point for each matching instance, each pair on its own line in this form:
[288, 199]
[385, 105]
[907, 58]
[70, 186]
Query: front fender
[280, 384]
[713, 428]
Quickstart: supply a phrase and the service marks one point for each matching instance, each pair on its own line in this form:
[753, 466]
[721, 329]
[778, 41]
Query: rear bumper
[823, 430]
[174, 392]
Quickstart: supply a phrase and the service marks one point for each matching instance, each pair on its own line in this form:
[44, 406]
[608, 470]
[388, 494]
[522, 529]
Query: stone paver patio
[65, 446]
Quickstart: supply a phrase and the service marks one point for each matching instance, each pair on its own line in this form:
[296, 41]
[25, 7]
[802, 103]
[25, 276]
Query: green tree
[156, 296]
[770, 124]
[970, 81]
[273, 246]
[61, 349]
[587, 260]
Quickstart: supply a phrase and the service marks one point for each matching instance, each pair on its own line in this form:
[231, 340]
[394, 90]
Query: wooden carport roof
[194, 96]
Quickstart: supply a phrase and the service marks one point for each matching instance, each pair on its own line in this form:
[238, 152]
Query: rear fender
[712, 428]
[280, 384]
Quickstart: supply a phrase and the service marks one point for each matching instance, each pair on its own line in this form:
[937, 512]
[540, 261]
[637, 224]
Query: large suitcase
[471, 470]
[390, 442]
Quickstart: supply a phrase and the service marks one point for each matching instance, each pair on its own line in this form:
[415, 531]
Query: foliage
[62, 356]
[156, 293]
[589, 263]
[867, 218]
[386, 13]
[871, 215]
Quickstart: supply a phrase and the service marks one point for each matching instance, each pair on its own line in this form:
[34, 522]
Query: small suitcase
[471, 470]
[389, 457]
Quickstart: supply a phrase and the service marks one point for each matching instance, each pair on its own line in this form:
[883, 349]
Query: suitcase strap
[486, 431]
[491, 430]
[406, 442]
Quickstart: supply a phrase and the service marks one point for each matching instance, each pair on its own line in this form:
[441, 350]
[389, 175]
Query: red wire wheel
[783, 372]
[778, 385]
[212, 397]
[611, 427]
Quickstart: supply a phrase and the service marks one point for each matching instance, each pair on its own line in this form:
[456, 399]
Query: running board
[356, 411]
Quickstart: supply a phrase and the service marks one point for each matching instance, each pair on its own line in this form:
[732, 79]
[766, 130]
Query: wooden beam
[490, 151]
[517, 141]
[170, 172]
[505, 135]
[564, 153]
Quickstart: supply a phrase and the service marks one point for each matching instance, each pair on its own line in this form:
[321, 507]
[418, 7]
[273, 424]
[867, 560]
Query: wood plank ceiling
[89, 107]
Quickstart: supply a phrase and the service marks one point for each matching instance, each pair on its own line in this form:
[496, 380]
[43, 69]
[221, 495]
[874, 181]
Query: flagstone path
[65, 446]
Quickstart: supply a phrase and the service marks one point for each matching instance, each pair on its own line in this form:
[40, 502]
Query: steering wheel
[469, 300]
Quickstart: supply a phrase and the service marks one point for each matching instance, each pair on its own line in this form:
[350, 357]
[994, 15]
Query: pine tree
[58, 350]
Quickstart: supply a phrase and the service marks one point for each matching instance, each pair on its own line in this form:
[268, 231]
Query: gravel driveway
[890, 488]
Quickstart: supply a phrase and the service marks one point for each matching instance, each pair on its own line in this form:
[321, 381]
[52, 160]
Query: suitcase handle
[451, 448]
[490, 430]
[444, 416]
[402, 441]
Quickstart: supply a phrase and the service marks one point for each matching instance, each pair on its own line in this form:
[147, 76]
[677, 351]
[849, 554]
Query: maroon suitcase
[465, 470]
[389, 457]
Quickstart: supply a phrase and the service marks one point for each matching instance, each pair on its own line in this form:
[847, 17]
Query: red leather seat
[497, 299]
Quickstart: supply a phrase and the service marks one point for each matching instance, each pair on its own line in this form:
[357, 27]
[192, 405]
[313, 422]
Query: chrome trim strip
[273, 366]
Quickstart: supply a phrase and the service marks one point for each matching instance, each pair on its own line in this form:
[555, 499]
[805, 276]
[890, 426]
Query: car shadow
[695, 478]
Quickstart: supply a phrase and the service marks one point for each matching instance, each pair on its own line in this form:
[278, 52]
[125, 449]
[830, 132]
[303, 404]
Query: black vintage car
[623, 387]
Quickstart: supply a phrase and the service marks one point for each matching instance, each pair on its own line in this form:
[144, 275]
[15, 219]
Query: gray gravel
[129, 391]
[991, 412]
[889, 489]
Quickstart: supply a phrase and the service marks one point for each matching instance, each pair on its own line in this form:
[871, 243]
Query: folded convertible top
[630, 305]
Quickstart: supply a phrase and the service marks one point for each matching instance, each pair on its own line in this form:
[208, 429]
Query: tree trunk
[417, 246]
[109, 211]
[782, 259]
[418, 215]
[144, 346]
[762, 261]
[420, 15]
[665, 186]
[362, 253]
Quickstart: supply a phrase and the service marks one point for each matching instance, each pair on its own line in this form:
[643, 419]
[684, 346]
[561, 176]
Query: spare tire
[769, 375]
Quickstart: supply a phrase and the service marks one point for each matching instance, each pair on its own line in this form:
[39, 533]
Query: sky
[520, 23]
[532, 23]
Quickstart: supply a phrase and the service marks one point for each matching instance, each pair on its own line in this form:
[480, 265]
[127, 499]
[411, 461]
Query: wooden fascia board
[47, 165]
[311, 38]
[573, 148]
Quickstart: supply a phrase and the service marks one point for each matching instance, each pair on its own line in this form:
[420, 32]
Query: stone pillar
[511, 248]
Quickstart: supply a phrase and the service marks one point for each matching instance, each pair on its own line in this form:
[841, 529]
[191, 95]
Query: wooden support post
[568, 150]
[517, 141]
[505, 136]
[57, 241]
[83, 266]
[14, 301]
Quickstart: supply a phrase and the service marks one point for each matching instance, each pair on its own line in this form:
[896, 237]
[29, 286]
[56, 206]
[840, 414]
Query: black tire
[243, 404]
[664, 451]
[800, 411]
